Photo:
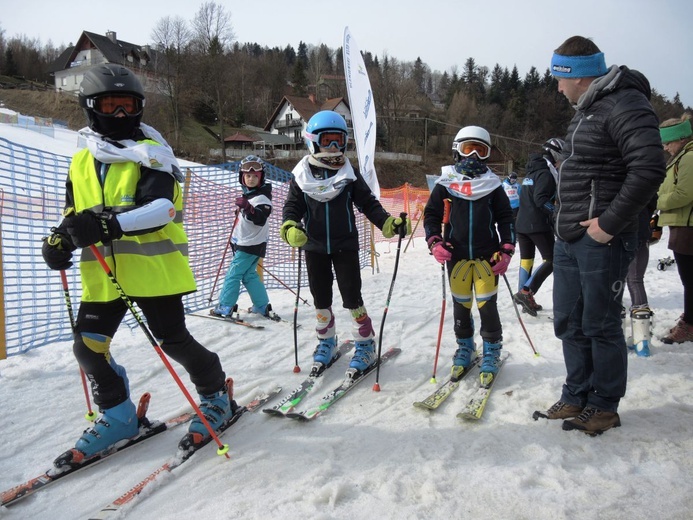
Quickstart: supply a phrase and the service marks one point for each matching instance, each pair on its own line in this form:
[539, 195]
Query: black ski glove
[88, 228]
[57, 250]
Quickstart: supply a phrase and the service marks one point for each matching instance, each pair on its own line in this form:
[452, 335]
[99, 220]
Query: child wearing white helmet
[476, 245]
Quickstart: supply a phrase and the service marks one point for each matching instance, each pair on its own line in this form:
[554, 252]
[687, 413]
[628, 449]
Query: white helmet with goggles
[472, 140]
[251, 164]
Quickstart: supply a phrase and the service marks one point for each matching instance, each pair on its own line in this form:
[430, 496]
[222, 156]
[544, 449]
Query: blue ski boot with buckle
[224, 311]
[217, 409]
[115, 424]
[325, 352]
[463, 357]
[364, 355]
[490, 362]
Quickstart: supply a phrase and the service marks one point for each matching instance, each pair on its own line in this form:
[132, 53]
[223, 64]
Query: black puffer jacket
[536, 197]
[613, 160]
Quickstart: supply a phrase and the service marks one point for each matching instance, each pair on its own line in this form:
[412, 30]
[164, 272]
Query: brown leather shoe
[560, 410]
[593, 421]
[680, 333]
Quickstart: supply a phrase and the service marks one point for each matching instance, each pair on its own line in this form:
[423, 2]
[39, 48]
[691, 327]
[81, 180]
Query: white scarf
[322, 190]
[157, 157]
[468, 188]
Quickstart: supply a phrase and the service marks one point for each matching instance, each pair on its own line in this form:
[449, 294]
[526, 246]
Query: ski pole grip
[403, 227]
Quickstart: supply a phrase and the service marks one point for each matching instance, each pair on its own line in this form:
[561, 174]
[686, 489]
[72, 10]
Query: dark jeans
[589, 279]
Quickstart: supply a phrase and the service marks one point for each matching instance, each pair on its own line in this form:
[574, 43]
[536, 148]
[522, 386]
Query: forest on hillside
[212, 79]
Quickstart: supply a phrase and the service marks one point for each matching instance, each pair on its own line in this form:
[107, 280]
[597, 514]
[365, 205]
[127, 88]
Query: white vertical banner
[362, 110]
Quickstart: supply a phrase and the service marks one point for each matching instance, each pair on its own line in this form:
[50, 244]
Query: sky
[653, 36]
[372, 455]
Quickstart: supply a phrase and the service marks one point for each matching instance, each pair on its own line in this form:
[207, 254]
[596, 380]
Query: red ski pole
[446, 220]
[223, 448]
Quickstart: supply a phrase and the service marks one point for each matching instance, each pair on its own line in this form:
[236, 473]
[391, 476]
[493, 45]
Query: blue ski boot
[325, 352]
[466, 351]
[490, 362]
[364, 355]
[224, 311]
[217, 409]
[115, 425]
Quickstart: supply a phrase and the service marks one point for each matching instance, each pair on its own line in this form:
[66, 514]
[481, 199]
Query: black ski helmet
[105, 79]
[553, 149]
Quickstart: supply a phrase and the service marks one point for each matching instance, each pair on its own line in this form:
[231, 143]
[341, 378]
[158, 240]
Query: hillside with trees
[216, 81]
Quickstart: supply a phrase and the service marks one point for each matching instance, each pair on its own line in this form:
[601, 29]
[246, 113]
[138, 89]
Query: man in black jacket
[612, 165]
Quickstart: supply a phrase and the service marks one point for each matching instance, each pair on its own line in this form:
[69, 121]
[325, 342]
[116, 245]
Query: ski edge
[474, 409]
[440, 395]
[337, 393]
[131, 494]
[305, 388]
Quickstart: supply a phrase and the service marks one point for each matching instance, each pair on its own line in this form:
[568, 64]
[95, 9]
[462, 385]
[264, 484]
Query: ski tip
[273, 412]
[299, 416]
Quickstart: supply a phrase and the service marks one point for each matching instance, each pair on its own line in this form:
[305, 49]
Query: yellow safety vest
[153, 264]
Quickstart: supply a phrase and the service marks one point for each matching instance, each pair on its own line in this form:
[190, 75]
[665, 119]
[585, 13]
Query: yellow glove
[393, 226]
[292, 235]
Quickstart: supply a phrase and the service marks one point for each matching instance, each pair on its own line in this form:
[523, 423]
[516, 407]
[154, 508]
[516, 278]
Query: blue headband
[578, 66]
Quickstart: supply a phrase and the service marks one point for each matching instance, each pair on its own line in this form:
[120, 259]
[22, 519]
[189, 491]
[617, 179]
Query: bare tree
[172, 37]
[212, 38]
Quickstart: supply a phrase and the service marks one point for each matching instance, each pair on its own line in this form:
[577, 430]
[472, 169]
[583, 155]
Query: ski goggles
[111, 104]
[251, 167]
[467, 148]
[331, 138]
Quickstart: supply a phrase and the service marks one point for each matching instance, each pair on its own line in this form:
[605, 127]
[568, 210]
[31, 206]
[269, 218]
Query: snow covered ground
[373, 455]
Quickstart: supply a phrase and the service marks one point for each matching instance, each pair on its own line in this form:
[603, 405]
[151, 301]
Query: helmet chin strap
[331, 160]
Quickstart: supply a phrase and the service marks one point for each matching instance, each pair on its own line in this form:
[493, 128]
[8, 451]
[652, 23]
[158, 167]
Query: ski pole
[411, 237]
[297, 368]
[91, 414]
[305, 302]
[518, 316]
[446, 220]
[402, 232]
[223, 448]
[223, 257]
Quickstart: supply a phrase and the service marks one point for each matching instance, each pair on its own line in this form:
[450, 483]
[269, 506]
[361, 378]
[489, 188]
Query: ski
[228, 319]
[444, 391]
[476, 405]
[67, 467]
[272, 317]
[335, 395]
[115, 507]
[289, 402]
